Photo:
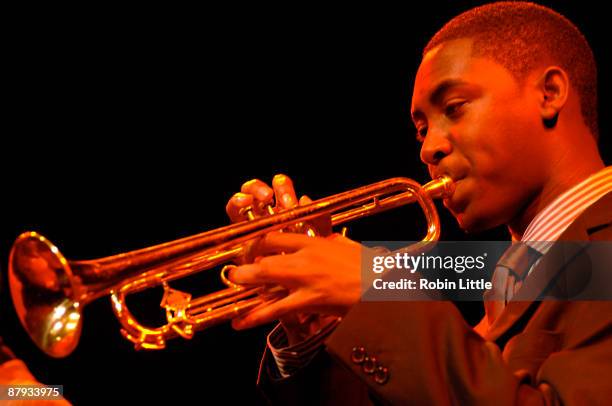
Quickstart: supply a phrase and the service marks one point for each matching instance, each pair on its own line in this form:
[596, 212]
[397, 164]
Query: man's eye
[454, 108]
[421, 134]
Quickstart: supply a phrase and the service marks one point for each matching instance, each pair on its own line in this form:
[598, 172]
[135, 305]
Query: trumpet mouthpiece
[440, 188]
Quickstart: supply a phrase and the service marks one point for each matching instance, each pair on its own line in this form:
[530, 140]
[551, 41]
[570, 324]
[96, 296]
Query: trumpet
[49, 292]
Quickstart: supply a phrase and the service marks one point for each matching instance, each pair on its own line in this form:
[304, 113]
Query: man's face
[483, 129]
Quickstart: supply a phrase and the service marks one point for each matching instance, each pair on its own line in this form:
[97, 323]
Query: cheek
[492, 204]
[503, 165]
[499, 147]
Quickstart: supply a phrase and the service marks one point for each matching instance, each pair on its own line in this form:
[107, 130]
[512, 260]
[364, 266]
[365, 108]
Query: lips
[457, 201]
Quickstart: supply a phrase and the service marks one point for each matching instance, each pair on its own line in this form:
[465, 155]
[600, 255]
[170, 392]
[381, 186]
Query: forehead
[453, 60]
[449, 60]
[452, 56]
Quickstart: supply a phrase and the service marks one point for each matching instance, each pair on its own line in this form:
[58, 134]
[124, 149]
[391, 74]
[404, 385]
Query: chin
[471, 228]
[465, 224]
[471, 223]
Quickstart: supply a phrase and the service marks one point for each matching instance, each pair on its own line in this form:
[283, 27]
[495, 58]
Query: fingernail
[249, 183]
[287, 200]
[279, 179]
[234, 275]
[240, 197]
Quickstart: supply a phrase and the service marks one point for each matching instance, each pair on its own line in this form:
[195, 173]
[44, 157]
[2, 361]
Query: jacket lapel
[555, 260]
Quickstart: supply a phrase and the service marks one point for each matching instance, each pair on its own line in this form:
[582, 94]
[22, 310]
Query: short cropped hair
[522, 35]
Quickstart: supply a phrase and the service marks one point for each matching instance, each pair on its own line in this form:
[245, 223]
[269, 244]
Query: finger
[267, 313]
[274, 270]
[235, 204]
[304, 200]
[284, 191]
[290, 321]
[249, 274]
[342, 239]
[261, 192]
[276, 242]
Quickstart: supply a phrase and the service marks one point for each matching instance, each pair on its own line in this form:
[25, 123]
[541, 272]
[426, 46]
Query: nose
[435, 147]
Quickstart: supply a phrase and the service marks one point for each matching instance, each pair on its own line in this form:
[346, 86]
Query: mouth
[456, 202]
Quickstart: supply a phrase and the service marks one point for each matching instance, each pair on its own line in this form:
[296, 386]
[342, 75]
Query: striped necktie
[510, 271]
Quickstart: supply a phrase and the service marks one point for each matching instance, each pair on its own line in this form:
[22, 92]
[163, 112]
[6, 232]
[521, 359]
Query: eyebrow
[438, 93]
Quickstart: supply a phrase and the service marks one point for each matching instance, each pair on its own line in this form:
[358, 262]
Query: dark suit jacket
[535, 353]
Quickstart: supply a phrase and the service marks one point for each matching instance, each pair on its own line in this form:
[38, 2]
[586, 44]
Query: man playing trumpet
[505, 104]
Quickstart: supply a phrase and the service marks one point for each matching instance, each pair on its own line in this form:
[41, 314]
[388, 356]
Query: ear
[553, 89]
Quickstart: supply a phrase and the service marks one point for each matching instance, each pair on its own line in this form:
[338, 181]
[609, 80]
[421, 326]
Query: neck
[561, 180]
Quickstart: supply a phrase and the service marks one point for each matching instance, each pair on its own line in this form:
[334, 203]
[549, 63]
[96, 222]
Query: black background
[127, 128]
